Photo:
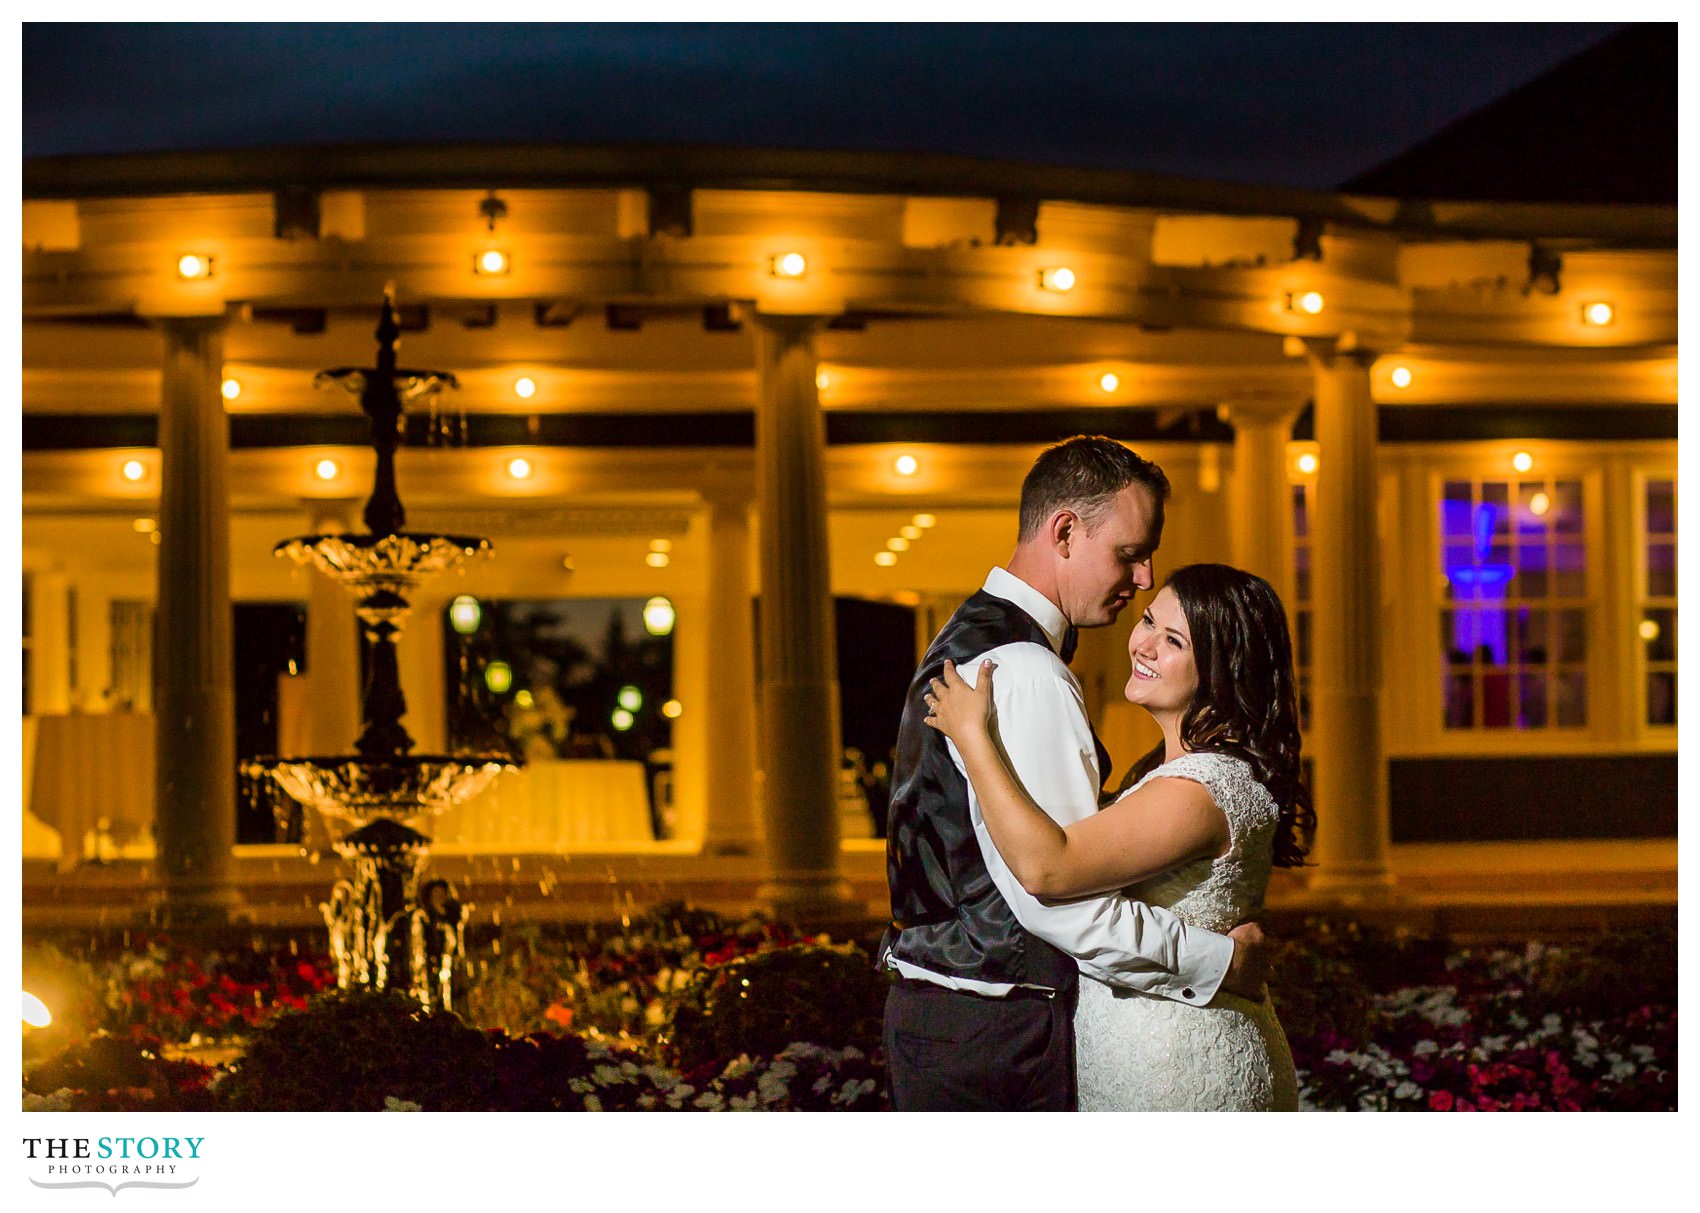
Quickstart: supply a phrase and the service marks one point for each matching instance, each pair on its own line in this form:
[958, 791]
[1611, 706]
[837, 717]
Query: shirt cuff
[1207, 957]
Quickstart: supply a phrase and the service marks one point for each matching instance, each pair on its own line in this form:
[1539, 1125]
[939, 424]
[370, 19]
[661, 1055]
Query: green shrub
[1318, 987]
[1606, 974]
[108, 1073]
[347, 1052]
[829, 996]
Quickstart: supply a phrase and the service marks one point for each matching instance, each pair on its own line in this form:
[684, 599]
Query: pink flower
[1440, 1101]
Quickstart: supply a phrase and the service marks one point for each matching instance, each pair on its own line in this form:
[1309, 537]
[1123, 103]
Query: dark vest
[947, 915]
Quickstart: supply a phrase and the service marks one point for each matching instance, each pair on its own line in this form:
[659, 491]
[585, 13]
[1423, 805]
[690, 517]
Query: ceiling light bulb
[231, 389]
[789, 265]
[925, 520]
[1522, 461]
[1056, 278]
[1307, 463]
[822, 380]
[525, 387]
[657, 560]
[897, 544]
[1539, 504]
[1308, 302]
[672, 709]
[326, 469]
[886, 559]
[906, 465]
[194, 265]
[1597, 314]
[492, 261]
[910, 532]
[134, 469]
[519, 469]
[144, 526]
[1109, 381]
[661, 545]
[1649, 629]
[1401, 376]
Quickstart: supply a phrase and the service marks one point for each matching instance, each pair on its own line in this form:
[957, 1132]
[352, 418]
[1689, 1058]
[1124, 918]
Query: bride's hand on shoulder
[956, 709]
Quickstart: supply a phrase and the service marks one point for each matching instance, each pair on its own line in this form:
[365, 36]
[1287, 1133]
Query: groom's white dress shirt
[1043, 728]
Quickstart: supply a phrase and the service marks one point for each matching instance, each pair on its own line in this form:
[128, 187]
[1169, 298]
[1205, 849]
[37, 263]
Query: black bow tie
[1070, 640]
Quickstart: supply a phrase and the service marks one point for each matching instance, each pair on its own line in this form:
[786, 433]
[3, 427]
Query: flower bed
[682, 1010]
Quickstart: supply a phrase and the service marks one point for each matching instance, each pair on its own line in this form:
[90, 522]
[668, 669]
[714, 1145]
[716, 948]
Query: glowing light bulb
[661, 545]
[1598, 314]
[1539, 504]
[885, 559]
[925, 520]
[465, 614]
[906, 465]
[498, 676]
[910, 532]
[144, 526]
[621, 719]
[897, 544]
[629, 697]
[492, 261]
[519, 469]
[1109, 381]
[789, 265]
[36, 1014]
[231, 389]
[659, 616]
[523, 699]
[657, 560]
[1056, 278]
[326, 469]
[1648, 629]
[822, 380]
[525, 387]
[672, 709]
[134, 469]
[1401, 376]
[1308, 302]
[1307, 463]
[1522, 461]
[194, 265]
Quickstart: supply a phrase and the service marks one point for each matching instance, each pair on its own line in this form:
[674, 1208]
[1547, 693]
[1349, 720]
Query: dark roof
[1598, 128]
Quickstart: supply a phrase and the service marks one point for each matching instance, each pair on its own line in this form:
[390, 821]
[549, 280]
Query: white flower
[771, 1086]
[606, 1075]
[1621, 1069]
[711, 1100]
[59, 1101]
[592, 1104]
[821, 1084]
[1424, 1047]
[392, 1104]
[1407, 1090]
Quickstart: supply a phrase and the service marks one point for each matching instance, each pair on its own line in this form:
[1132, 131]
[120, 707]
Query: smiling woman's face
[1164, 675]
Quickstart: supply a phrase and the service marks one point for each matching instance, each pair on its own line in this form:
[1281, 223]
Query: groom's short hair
[1084, 474]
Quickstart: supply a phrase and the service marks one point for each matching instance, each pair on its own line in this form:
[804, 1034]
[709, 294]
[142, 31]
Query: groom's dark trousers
[950, 1050]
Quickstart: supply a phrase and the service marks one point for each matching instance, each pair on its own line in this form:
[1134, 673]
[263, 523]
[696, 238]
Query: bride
[1198, 834]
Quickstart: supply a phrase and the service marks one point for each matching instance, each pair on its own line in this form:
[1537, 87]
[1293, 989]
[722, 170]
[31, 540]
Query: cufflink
[1186, 992]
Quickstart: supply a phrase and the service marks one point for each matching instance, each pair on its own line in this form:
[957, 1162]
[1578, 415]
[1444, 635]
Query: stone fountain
[386, 931]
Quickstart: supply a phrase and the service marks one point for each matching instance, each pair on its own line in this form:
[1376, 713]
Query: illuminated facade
[1446, 433]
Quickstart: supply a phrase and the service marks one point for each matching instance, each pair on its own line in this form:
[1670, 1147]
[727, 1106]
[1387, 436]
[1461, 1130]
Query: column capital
[1273, 407]
[1338, 353]
[795, 323]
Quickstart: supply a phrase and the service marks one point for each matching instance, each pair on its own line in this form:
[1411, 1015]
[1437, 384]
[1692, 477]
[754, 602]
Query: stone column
[1258, 494]
[730, 825]
[799, 683]
[194, 695]
[1350, 771]
[50, 643]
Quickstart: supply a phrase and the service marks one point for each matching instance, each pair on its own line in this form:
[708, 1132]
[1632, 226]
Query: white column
[1352, 832]
[730, 824]
[194, 696]
[1259, 497]
[50, 643]
[799, 683]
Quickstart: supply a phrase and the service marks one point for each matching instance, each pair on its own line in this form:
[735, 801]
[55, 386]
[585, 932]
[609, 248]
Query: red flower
[1440, 1101]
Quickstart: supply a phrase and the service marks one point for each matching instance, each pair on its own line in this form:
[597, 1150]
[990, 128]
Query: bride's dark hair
[1246, 703]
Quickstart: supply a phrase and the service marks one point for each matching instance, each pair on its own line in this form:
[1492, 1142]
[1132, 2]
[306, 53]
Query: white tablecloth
[553, 806]
[92, 766]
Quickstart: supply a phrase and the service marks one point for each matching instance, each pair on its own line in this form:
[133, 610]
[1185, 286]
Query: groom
[981, 1017]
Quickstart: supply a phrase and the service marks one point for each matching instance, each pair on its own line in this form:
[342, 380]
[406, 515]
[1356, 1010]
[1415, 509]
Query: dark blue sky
[1303, 105]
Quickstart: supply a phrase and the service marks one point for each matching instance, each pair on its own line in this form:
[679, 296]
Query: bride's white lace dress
[1137, 1052]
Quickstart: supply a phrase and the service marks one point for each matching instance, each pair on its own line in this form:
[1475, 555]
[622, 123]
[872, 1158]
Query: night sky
[1301, 105]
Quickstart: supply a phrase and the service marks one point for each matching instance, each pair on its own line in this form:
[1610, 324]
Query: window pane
[1533, 505]
[1455, 508]
[1572, 635]
[1302, 641]
[1569, 579]
[1301, 573]
[1572, 699]
[1460, 702]
[1496, 700]
[1481, 634]
[1532, 636]
[1661, 697]
[1566, 513]
[1661, 644]
[1460, 568]
[1455, 642]
[1532, 701]
[1532, 580]
[1661, 570]
[1496, 498]
[1301, 518]
[1661, 507]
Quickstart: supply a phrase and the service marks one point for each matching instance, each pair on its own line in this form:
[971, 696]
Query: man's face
[1104, 568]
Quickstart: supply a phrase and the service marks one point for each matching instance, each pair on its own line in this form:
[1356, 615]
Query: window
[1658, 602]
[1300, 606]
[1513, 620]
